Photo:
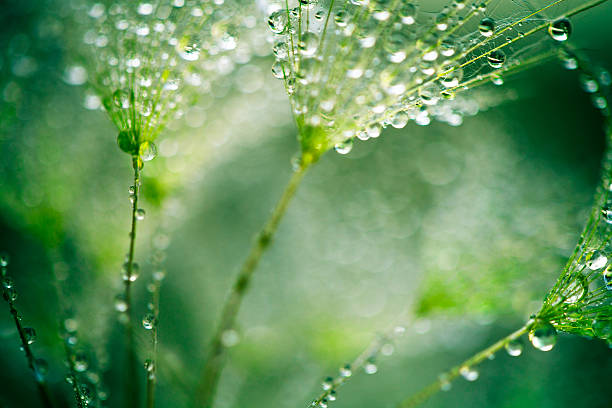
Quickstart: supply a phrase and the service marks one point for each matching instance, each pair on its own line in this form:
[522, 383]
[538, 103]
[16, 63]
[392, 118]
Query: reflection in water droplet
[514, 348]
[543, 335]
[486, 27]
[468, 373]
[560, 30]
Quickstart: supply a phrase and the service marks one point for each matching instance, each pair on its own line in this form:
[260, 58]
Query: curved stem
[445, 378]
[212, 370]
[131, 392]
[41, 385]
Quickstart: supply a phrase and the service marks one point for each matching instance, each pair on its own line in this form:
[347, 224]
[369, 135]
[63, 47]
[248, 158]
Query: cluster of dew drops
[429, 94]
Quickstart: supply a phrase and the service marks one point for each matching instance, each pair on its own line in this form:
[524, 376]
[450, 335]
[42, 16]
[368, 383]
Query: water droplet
[75, 75]
[543, 335]
[452, 75]
[332, 395]
[344, 147]
[4, 261]
[486, 27]
[589, 85]
[230, 338]
[149, 321]
[496, 59]
[370, 367]
[514, 348]
[145, 9]
[147, 151]
[80, 362]
[341, 18]
[277, 70]
[189, 47]
[345, 370]
[278, 21]
[327, 384]
[41, 368]
[400, 120]
[560, 30]
[120, 304]
[607, 277]
[468, 373]
[140, 214]
[126, 142]
[597, 261]
[30, 334]
[308, 44]
[407, 12]
[8, 282]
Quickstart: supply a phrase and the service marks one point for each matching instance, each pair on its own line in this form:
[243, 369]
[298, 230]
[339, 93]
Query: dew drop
[327, 384]
[560, 30]
[147, 151]
[607, 277]
[345, 370]
[514, 348]
[486, 27]
[308, 44]
[277, 70]
[80, 362]
[4, 261]
[30, 335]
[148, 321]
[597, 261]
[543, 335]
[278, 21]
[468, 373]
[407, 12]
[230, 338]
[370, 368]
[344, 147]
[145, 9]
[41, 368]
[140, 215]
[400, 120]
[496, 59]
[120, 304]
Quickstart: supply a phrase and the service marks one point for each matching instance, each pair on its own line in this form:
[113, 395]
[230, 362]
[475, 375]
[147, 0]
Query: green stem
[212, 370]
[41, 385]
[131, 391]
[445, 378]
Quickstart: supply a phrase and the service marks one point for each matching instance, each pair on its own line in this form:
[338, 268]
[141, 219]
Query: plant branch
[445, 378]
[212, 370]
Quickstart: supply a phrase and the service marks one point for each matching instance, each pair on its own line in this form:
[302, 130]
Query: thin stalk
[41, 385]
[131, 391]
[444, 379]
[73, 375]
[205, 393]
[152, 365]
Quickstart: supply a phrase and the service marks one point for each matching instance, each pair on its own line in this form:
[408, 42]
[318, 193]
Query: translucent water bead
[514, 348]
[560, 30]
[543, 335]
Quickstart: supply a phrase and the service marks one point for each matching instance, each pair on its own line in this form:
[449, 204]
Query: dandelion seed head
[144, 61]
[349, 65]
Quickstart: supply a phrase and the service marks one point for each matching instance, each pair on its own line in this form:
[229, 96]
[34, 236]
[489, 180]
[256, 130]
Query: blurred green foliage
[458, 232]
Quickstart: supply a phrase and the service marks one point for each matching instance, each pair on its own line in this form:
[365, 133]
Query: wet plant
[580, 302]
[353, 68]
[145, 62]
[27, 335]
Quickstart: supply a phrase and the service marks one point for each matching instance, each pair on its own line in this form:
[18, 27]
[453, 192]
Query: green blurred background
[454, 232]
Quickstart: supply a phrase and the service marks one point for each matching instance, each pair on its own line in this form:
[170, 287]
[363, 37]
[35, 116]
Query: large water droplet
[560, 30]
[140, 214]
[308, 44]
[147, 151]
[344, 147]
[496, 59]
[486, 27]
[543, 335]
[278, 21]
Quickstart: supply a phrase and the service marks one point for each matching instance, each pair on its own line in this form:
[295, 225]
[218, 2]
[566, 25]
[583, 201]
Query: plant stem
[205, 393]
[445, 378]
[73, 375]
[152, 370]
[41, 385]
[131, 392]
